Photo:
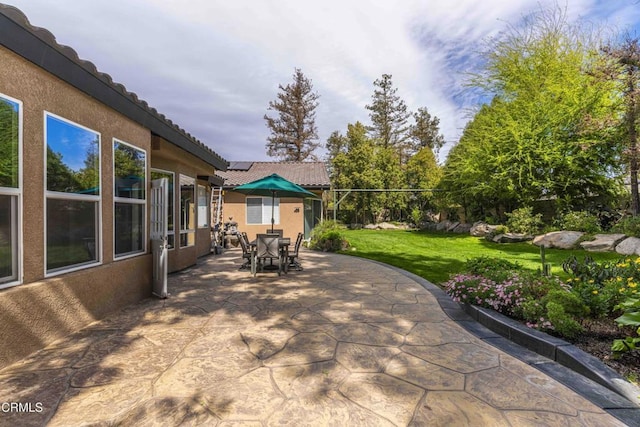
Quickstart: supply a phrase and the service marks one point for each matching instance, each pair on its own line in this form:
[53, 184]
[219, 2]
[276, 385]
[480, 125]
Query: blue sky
[212, 66]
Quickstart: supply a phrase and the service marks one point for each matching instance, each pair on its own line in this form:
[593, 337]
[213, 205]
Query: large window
[157, 174]
[10, 186]
[204, 207]
[187, 211]
[260, 210]
[129, 182]
[72, 195]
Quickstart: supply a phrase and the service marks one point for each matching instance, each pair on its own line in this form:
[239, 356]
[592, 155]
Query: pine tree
[389, 116]
[293, 131]
[426, 131]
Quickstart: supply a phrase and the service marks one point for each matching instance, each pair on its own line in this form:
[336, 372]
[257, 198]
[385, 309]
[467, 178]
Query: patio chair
[293, 255]
[246, 252]
[267, 248]
[277, 231]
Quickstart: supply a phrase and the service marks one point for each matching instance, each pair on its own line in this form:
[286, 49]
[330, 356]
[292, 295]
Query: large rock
[462, 228]
[602, 242]
[481, 229]
[629, 246]
[511, 238]
[558, 239]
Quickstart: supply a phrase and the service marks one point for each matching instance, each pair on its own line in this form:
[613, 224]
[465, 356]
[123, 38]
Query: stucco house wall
[41, 305]
[291, 216]
[45, 309]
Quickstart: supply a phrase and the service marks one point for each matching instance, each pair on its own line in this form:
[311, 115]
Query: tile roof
[311, 175]
[39, 46]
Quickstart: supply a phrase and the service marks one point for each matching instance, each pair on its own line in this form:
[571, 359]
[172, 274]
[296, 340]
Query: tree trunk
[633, 145]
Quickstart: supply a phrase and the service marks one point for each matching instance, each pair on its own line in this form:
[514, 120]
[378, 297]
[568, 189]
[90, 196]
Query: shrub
[556, 311]
[523, 220]
[629, 225]
[328, 237]
[580, 221]
[496, 269]
[631, 317]
[504, 297]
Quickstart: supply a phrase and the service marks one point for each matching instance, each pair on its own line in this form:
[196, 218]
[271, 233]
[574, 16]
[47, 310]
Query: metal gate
[159, 247]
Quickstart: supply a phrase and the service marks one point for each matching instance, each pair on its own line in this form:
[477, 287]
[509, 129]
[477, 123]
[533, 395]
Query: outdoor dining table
[283, 245]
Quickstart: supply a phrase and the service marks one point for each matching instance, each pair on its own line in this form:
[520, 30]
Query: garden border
[567, 364]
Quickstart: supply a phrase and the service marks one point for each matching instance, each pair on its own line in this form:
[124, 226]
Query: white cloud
[212, 66]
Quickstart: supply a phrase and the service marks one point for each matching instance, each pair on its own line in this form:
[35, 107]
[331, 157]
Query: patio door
[159, 233]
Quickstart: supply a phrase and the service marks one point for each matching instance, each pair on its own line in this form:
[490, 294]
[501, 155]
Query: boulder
[453, 226]
[558, 239]
[443, 226]
[387, 226]
[629, 246]
[462, 228]
[511, 238]
[602, 242]
[481, 229]
[370, 227]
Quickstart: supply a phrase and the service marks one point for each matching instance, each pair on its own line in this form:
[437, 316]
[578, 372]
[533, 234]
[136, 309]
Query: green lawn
[435, 256]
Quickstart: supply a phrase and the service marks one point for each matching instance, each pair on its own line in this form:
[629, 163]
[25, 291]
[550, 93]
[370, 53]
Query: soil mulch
[597, 339]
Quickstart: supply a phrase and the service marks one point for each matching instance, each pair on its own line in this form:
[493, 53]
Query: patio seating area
[345, 341]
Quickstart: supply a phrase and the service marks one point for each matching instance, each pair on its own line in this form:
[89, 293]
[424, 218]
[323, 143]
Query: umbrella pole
[273, 201]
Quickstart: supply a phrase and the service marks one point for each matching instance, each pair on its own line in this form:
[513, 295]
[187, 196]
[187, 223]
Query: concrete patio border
[578, 370]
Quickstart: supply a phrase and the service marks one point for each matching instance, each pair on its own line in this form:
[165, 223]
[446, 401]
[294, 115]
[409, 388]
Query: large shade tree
[625, 69]
[534, 140]
[293, 129]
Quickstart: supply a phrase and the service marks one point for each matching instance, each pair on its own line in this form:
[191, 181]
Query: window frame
[96, 199]
[17, 207]
[188, 231]
[131, 201]
[264, 219]
[172, 194]
[206, 208]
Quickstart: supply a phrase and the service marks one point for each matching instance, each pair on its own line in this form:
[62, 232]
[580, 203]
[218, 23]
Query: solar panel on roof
[240, 166]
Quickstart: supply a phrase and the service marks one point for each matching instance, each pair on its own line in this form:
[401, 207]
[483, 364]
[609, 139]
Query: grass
[435, 256]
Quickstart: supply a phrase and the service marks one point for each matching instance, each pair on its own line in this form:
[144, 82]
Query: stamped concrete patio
[346, 342]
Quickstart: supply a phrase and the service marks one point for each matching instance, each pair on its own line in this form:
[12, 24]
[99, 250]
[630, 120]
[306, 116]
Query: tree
[336, 145]
[357, 166]
[627, 61]
[423, 173]
[425, 132]
[534, 140]
[293, 129]
[389, 115]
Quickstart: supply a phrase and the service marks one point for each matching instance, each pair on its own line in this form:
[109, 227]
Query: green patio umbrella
[275, 186]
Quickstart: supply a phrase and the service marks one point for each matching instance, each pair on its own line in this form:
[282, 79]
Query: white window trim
[17, 192]
[207, 206]
[188, 230]
[264, 215]
[72, 196]
[173, 180]
[131, 202]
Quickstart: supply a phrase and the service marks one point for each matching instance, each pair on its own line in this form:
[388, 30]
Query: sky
[213, 66]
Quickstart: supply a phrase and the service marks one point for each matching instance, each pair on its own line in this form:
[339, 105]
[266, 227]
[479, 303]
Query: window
[72, 227]
[129, 182]
[157, 174]
[259, 210]
[203, 207]
[187, 211]
[10, 186]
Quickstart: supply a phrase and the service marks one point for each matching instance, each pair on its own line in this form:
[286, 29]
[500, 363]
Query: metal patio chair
[293, 255]
[267, 248]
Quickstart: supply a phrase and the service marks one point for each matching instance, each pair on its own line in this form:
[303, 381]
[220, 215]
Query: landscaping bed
[596, 340]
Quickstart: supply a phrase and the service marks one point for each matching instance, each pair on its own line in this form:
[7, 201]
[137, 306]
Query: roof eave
[63, 62]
